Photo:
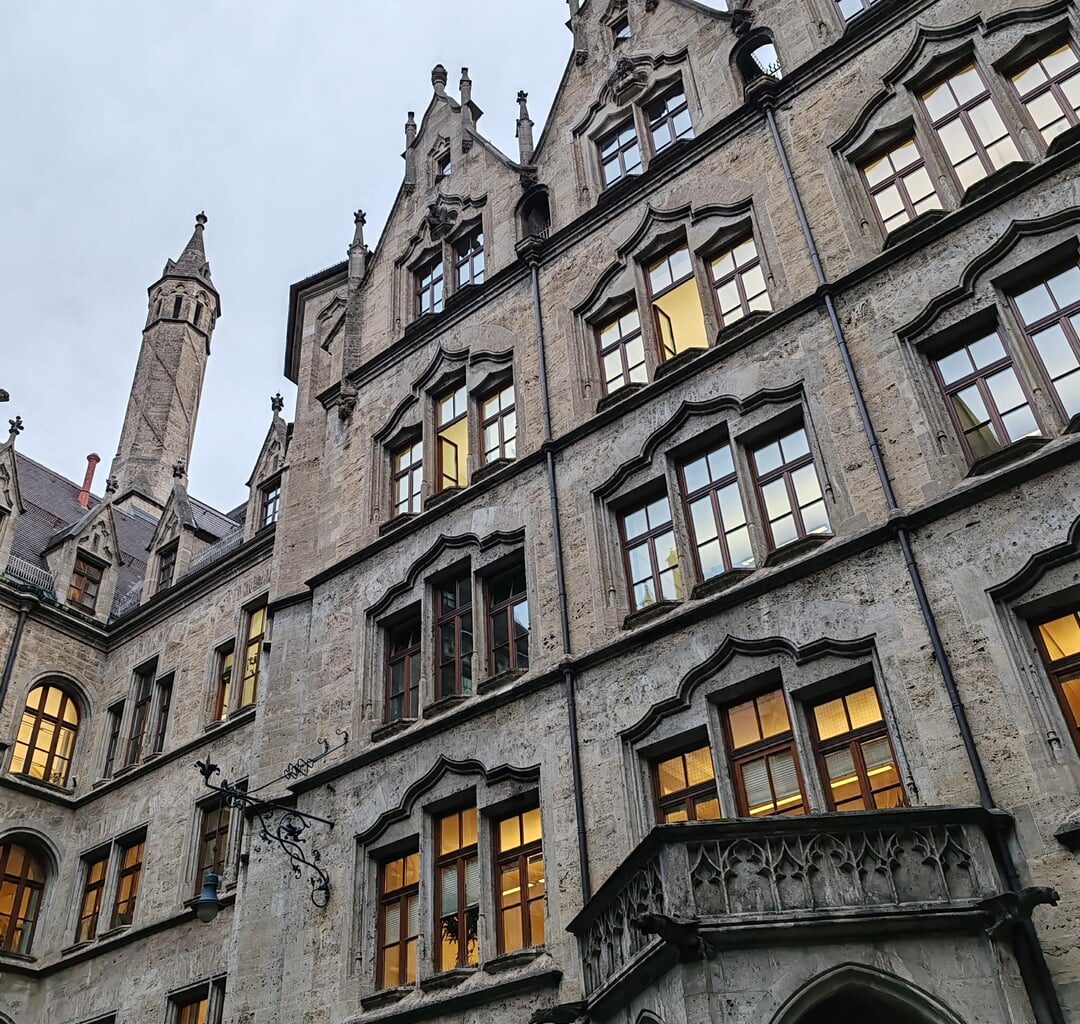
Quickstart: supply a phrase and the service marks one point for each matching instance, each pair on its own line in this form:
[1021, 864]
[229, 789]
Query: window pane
[530, 825]
[699, 766]
[1062, 637]
[774, 716]
[830, 719]
[743, 723]
[1054, 350]
[1035, 304]
[670, 776]
[777, 503]
[755, 776]
[863, 708]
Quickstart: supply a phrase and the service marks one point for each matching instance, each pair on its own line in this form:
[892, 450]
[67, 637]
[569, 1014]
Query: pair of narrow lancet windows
[468, 264]
[496, 411]
[506, 606]
[989, 392]
[666, 120]
[520, 898]
[255, 626]
[735, 279]
[851, 748]
[965, 118]
[790, 499]
[128, 855]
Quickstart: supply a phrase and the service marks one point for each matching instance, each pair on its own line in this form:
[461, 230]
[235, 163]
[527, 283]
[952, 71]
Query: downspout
[1026, 946]
[13, 650]
[532, 257]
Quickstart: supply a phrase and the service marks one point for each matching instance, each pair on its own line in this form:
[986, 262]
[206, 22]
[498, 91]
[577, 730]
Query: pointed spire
[410, 151]
[524, 129]
[193, 259]
[4, 396]
[358, 250]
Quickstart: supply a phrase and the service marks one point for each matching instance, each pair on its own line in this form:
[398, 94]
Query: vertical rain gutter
[1026, 946]
[531, 255]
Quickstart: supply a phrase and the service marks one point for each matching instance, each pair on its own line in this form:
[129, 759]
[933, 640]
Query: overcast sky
[122, 119]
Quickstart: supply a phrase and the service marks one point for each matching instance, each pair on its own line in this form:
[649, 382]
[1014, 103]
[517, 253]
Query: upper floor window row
[433, 283]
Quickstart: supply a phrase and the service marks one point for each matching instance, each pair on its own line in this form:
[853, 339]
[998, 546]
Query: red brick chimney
[91, 464]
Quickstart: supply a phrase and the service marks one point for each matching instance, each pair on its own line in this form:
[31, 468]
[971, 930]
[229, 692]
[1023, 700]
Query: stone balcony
[690, 890]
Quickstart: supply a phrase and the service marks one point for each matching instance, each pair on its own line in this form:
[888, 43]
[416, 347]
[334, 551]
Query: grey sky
[122, 119]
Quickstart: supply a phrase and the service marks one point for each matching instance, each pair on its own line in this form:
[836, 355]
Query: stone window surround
[494, 800]
[40, 846]
[481, 561]
[115, 847]
[237, 638]
[625, 284]
[661, 474]
[83, 745]
[212, 989]
[121, 767]
[748, 675]
[190, 881]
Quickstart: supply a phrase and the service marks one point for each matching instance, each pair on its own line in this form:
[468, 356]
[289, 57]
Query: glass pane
[731, 508]
[795, 445]
[699, 766]
[393, 875]
[830, 719]
[670, 776]
[774, 716]
[711, 557]
[1068, 389]
[767, 458]
[755, 777]
[807, 488]
[784, 531]
[1020, 423]
[1062, 637]
[531, 825]
[955, 366]
[967, 84]
[742, 555]
[509, 833]
[785, 778]
[1005, 389]
[1035, 303]
[986, 351]
[635, 523]
[777, 502]
[468, 827]
[448, 889]
[707, 808]
[743, 723]
[1054, 350]
[1070, 689]
[863, 707]
[970, 408]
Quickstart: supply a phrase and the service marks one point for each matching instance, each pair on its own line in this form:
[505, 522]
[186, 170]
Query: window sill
[733, 330]
[447, 979]
[653, 611]
[798, 547]
[1074, 425]
[1069, 835]
[668, 365]
[508, 961]
[714, 584]
[992, 181]
[391, 729]
[1064, 140]
[444, 704]
[913, 227]
[444, 495]
[386, 997]
[391, 524]
[490, 469]
[21, 958]
[617, 396]
[112, 932]
[1010, 453]
[502, 679]
[52, 787]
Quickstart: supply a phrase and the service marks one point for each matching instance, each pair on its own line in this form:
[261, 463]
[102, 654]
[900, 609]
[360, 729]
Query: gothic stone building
[677, 547]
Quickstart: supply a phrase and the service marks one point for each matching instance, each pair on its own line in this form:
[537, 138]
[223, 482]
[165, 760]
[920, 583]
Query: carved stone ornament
[440, 219]
[565, 1013]
[347, 397]
[1010, 908]
[678, 932]
[7, 491]
[741, 17]
[628, 77]
[98, 540]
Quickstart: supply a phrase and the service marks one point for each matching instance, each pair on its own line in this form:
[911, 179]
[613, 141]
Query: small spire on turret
[466, 88]
[4, 396]
[524, 129]
[439, 78]
[410, 151]
[277, 403]
[358, 250]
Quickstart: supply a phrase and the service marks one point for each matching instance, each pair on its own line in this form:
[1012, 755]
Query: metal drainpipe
[1026, 946]
[560, 576]
[13, 651]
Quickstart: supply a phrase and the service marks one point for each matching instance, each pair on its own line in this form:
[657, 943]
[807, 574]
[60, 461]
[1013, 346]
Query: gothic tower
[159, 426]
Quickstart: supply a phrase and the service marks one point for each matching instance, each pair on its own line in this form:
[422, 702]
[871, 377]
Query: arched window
[757, 57]
[22, 885]
[857, 1004]
[46, 738]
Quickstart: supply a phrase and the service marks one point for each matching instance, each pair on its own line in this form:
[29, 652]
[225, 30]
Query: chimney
[91, 464]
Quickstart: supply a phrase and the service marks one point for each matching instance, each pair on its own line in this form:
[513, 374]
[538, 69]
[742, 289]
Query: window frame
[400, 896]
[620, 345]
[142, 692]
[60, 727]
[653, 296]
[648, 538]
[457, 858]
[252, 642]
[899, 179]
[413, 471]
[163, 695]
[618, 155]
[738, 276]
[269, 503]
[451, 395]
[23, 884]
[867, 5]
[462, 661]
[1054, 670]
[468, 255]
[498, 420]
[687, 797]
[518, 855]
[667, 115]
[1052, 85]
[785, 471]
[412, 657]
[428, 275]
[506, 607]
[166, 565]
[92, 888]
[224, 670]
[134, 870]
[209, 840]
[115, 718]
[90, 585]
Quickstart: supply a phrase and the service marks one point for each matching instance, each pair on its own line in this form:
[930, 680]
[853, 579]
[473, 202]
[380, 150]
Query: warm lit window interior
[521, 885]
[676, 303]
[1060, 642]
[253, 652]
[765, 769]
[96, 869]
[457, 891]
[399, 920]
[46, 737]
[22, 885]
[452, 416]
[127, 883]
[85, 583]
[686, 786]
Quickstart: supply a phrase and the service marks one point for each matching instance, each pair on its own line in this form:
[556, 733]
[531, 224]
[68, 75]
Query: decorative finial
[277, 403]
[524, 129]
[200, 219]
[16, 427]
[112, 485]
[523, 99]
[466, 87]
[4, 396]
[439, 79]
[179, 470]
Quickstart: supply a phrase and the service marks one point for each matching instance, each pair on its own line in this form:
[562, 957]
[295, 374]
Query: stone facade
[921, 565]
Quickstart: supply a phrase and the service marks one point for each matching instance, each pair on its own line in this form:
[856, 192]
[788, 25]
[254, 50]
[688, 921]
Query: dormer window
[430, 286]
[271, 503]
[167, 566]
[85, 583]
[469, 259]
[620, 153]
[620, 30]
[443, 166]
[669, 118]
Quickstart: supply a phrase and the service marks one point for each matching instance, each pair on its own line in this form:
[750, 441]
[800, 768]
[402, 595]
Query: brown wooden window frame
[224, 669]
[506, 608]
[660, 112]
[738, 274]
[131, 852]
[687, 798]
[853, 740]
[28, 887]
[190, 1009]
[1061, 317]
[112, 744]
[143, 699]
[504, 422]
[93, 895]
[470, 258]
[86, 580]
[252, 664]
[460, 621]
[215, 822]
[270, 503]
[1052, 85]
[458, 398]
[978, 378]
[60, 727]
[864, 6]
[786, 471]
[412, 471]
[623, 144]
[164, 706]
[648, 538]
[519, 857]
[1057, 670]
[898, 179]
[457, 859]
[410, 656]
[620, 344]
[400, 896]
[429, 285]
[166, 571]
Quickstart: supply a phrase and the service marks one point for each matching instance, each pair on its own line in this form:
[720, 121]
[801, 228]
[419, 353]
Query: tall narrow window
[855, 754]
[1059, 642]
[652, 561]
[620, 154]
[522, 882]
[789, 489]
[987, 401]
[127, 883]
[452, 416]
[399, 920]
[622, 352]
[429, 286]
[178, 306]
[454, 633]
[715, 512]
[213, 842]
[498, 422]
[1050, 91]
[271, 503]
[669, 118]
[686, 786]
[739, 282]
[969, 125]
[140, 712]
[853, 8]
[167, 565]
[195, 1010]
[45, 741]
[469, 259]
[508, 621]
[407, 478]
[253, 652]
[620, 30]
[198, 314]
[22, 885]
[164, 704]
[112, 744]
[96, 867]
[403, 670]
[1050, 313]
[900, 186]
[457, 890]
[85, 583]
[676, 303]
[764, 765]
[226, 656]
[444, 166]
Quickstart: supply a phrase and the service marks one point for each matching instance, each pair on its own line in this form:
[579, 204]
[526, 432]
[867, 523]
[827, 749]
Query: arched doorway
[859, 1003]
